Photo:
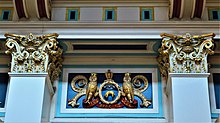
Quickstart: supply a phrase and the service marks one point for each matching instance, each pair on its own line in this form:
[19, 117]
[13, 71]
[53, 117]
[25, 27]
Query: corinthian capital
[185, 54]
[34, 54]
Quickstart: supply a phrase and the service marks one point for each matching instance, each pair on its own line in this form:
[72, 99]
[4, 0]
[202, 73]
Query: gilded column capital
[35, 54]
[185, 53]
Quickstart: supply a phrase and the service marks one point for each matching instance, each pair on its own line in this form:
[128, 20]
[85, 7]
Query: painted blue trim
[113, 14]
[2, 114]
[3, 15]
[159, 115]
[211, 15]
[215, 115]
[150, 14]
[160, 93]
[76, 14]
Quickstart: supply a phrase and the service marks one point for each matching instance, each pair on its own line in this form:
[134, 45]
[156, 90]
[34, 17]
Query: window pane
[72, 15]
[109, 14]
[3, 88]
[215, 14]
[146, 15]
[6, 15]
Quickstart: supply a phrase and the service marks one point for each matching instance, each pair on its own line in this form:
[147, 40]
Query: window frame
[2, 10]
[77, 14]
[151, 13]
[61, 112]
[210, 10]
[114, 14]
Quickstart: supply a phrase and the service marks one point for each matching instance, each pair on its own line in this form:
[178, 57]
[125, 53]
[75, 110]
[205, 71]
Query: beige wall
[124, 14]
[91, 14]
[128, 14]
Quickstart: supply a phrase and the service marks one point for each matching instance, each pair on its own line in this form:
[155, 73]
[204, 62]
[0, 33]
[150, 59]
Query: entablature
[108, 30]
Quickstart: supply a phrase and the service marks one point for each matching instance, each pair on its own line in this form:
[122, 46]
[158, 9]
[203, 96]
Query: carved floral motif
[34, 54]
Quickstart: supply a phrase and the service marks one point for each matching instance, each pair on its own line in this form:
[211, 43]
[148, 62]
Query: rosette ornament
[185, 54]
[35, 54]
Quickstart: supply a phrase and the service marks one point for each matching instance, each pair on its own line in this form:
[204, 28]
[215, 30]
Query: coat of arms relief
[109, 94]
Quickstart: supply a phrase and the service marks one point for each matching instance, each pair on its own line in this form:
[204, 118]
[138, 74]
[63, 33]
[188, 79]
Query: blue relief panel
[216, 80]
[3, 88]
[113, 91]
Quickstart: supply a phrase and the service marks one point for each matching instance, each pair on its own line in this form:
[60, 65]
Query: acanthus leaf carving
[185, 54]
[35, 54]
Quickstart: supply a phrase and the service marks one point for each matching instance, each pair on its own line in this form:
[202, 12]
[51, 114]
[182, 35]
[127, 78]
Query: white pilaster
[29, 98]
[188, 97]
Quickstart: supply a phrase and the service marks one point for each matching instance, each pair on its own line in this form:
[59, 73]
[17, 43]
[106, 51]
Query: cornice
[83, 29]
[67, 24]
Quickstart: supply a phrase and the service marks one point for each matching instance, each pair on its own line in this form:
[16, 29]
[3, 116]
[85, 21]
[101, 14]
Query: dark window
[216, 80]
[215, 14]
[3, 88]
[146, 15]
[110, 47]
[72, 15]
[5, 15]
[109, 15]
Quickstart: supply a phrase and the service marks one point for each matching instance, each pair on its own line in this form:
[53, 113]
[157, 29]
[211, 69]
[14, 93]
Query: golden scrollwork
[185, 54]
[136, 81]
[82, 83]
[140, 87]
[35, 54]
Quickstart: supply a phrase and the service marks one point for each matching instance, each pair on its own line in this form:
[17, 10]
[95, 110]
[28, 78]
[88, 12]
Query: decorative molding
[43, 8]
[185, 54]
[194, 75]
[186, 9]
[32, 54]
[175, 8]
[63, 111]
[33, 10]
[198, 8]
[109, 30]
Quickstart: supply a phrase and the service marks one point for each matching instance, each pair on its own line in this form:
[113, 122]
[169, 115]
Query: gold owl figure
[91, 90]
[128, 90]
